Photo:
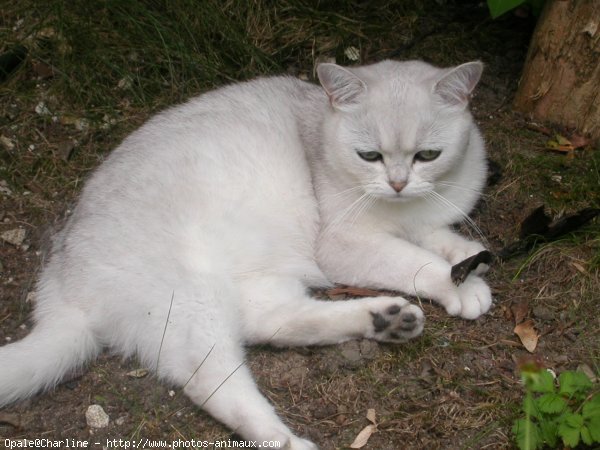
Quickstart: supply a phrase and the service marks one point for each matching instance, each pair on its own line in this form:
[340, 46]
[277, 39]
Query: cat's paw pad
[396, 322]
[475, 298]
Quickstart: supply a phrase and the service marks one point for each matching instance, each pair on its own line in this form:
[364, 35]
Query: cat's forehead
[403, 116]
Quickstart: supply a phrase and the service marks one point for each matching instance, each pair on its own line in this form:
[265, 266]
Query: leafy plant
[567, 413]
[499, 7]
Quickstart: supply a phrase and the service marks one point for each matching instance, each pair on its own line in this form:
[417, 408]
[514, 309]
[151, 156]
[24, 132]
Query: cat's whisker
[363, 208]
[344, 214]
[345, 192]
[461, 187]
[443, 200]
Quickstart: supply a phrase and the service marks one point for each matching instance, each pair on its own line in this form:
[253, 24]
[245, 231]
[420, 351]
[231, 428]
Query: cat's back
[229, 136]
[231, 162]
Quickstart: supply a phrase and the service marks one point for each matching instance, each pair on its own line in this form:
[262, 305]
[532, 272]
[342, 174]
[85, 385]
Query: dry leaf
[520, 310]
[588, 371]
[527, 335]
[579, 267]
[560, 144]
[371, 416]
[355, 291]
[138, 373]
[363, 437]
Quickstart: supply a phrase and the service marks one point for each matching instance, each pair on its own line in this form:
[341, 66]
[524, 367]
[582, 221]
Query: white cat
[202, 231]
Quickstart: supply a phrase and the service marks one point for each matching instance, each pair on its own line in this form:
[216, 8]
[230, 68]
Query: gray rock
[15, 236]
[541, 312]
[96, 417]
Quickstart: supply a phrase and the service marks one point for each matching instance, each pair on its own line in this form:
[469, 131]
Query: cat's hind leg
[282, 314]
[202, 353]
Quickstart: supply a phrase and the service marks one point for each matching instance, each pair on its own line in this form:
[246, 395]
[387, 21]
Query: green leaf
[549, 432]
[551, 403]
[594, 427]
[572, 383]
[574, 420]
[570, 436]
[586, 436]
[499, 7]
[543, 381]
[591, 408]
[570, 429]
[527, 434]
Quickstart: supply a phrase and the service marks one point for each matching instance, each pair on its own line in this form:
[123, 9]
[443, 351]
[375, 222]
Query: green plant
[569, 412]
[499, 7]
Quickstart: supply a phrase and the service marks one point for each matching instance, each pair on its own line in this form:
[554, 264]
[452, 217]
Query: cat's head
[398, 128]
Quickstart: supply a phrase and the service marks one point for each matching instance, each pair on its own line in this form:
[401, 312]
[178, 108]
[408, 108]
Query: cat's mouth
[397, 198]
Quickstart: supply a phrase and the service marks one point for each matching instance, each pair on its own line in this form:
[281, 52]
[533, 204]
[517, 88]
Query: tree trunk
[561, 78]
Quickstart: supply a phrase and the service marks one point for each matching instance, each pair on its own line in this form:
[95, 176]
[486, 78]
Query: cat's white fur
[210, 222]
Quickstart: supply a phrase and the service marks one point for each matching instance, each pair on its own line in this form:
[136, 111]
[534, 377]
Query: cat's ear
[455, 86]
[343, 88]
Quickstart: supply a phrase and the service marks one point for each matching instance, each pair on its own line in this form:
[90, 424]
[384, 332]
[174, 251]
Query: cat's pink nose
[398, 185]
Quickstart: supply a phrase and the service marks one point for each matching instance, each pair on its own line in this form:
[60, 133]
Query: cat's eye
[427, 155]
[371, 156]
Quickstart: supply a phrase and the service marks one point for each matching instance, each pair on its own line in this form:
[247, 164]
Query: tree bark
[561, 78]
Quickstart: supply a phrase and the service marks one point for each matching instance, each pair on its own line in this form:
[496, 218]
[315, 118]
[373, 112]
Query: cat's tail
[56, 345]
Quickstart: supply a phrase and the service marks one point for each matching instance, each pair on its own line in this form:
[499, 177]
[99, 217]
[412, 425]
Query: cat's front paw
[475, 298]
[395, 321]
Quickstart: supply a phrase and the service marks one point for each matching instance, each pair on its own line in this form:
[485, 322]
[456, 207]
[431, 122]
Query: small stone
[120, 420]
[171, 393]
[82, 124]
[15, 236]
[351, 353]
[42, 109]
[584, 368]
[352, 53]
[125, 83]
[541, 312]
[137, 373]
[369, 349]
[7, 143]
[96, 417]
[65, 149]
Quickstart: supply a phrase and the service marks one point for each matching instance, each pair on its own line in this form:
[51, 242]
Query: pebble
[369, 349]
[351, 353]
[96, 417]
[541, 312]
[15, 236]
[120, 420]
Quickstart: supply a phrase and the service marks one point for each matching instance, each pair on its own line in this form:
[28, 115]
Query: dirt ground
[455, 387]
